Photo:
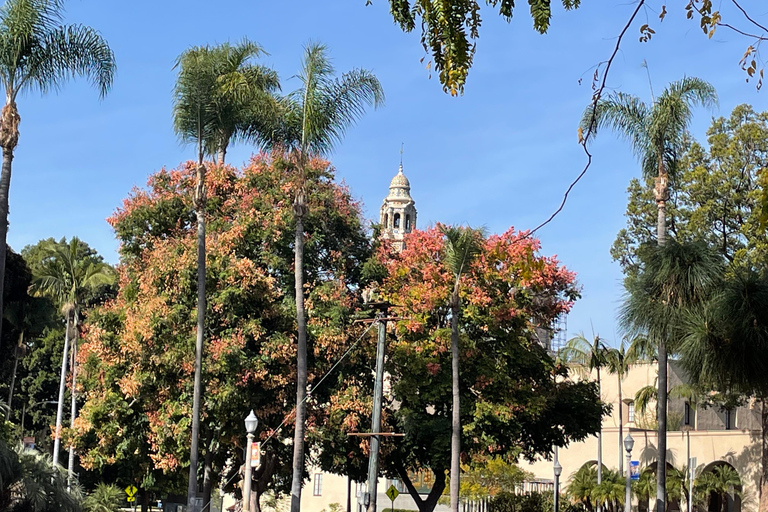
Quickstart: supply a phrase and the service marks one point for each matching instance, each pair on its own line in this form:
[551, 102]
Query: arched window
[386, 220]
[397, 221]
[407, 223]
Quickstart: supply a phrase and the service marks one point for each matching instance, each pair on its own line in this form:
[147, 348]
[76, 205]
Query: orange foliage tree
[138, 350]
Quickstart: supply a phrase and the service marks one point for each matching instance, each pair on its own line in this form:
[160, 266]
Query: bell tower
[398, 211]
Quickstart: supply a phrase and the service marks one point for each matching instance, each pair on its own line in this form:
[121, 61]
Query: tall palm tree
[314, 119]
[236, 97]
[588, 356]
[462, 246]
[69, 275]
[673, 278]
[725, 347]
[656, 134]
[220, 95]
[38, 53]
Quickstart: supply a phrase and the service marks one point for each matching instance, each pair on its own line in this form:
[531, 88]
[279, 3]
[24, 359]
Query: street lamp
[251, 422]
[628, 444]
[558, 471]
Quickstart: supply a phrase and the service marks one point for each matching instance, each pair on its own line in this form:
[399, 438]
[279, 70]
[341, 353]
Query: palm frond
[462, 246]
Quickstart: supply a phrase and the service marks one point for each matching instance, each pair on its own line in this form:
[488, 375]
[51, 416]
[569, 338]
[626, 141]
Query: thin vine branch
[593, 119]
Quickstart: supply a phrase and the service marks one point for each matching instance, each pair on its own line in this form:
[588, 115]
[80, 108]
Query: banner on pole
[255, 455]
[634, 470]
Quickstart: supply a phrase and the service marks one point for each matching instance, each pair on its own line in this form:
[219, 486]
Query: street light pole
[628, 444]
[558, 469]
[251, 422]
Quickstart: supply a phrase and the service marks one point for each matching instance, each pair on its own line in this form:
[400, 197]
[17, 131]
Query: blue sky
[500, 155]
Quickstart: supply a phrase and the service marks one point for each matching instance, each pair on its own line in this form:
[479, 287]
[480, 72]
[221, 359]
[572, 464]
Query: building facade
[398, 211]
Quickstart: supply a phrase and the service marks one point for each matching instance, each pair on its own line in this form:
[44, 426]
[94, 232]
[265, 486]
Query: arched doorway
[718, 488]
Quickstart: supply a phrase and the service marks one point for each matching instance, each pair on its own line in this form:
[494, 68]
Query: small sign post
[131, 492]
[392, 493]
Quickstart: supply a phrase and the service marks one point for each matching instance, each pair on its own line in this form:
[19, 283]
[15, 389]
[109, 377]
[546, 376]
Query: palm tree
[462, 246]
[69, 275]
[581, 485]
[235, 96]
[656, 134]
[38, 53]
[219, 96]
[720, 482]
[673, 279]
[725, 347]
[315, 118]
[588, 356]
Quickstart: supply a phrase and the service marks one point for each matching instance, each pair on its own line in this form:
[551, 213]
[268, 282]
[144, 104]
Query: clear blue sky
[500, 155]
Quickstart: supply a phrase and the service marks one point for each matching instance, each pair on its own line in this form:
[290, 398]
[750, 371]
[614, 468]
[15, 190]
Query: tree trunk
[73, 407]
[599, 506]
[621, 430]
[200, 212]
[763, 503]
[661, 414]
[62, 386]
[456, 406]
[301, 355]
[207, 478]
[434, 495]
[661, 191]
[13, 379]
[9, 137]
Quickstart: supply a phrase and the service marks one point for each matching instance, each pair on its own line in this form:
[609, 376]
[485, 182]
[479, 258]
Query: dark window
[397, 221]
[728, 419]
[386, 220]
[687, 413]
[317, 488]
[631, 412]
[407, 222]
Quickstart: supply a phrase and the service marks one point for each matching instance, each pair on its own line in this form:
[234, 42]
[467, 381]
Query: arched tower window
[386, 220]
[396, 224]
[407, 223]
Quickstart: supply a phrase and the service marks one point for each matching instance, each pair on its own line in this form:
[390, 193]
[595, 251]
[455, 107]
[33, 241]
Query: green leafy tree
[315, 118]
[38, 53]
[462, 246]
[656, 134]
[69, 274]
[715, 196]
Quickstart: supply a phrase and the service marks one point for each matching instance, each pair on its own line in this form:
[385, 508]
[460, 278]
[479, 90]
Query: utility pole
[378, 396]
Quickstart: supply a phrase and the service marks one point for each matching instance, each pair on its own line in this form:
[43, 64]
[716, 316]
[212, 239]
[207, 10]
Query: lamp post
[558, 471]
[628, 444]
[251, 422]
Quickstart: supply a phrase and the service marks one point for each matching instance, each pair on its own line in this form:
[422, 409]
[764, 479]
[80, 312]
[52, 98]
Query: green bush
[104, 498]
[532, 502]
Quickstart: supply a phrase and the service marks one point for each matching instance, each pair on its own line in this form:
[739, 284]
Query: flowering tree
[515, 400]
[138, 350]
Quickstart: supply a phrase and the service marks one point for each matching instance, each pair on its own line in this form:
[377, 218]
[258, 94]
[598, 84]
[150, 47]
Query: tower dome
[398, 211]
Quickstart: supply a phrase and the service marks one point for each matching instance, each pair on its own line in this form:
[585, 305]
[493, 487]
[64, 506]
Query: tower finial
[402, 144]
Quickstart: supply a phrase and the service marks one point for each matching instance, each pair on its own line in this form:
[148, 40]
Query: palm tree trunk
[9, 137]
[661, 414]
[599, 446]
[62, 386]
[301, 355]
[13, 377]
[456, 406]
[661, 191]
[763, 503]
[207, 478]
[200, 212]
[73, 410]
[621, 430]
